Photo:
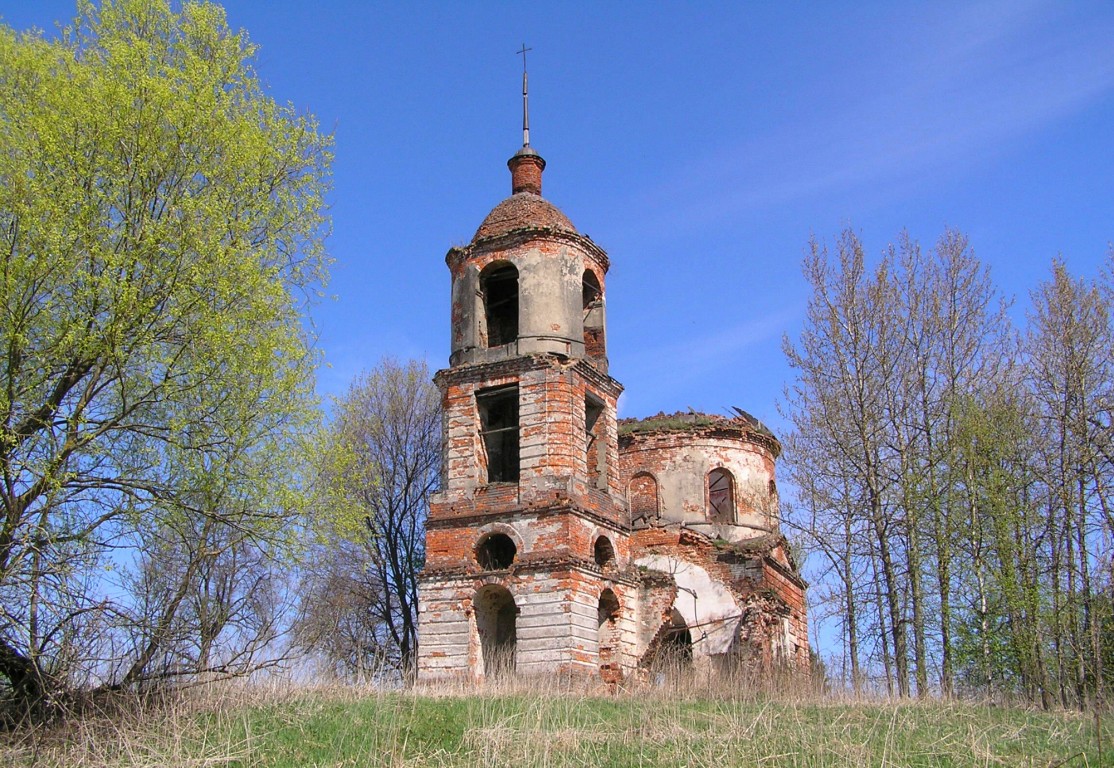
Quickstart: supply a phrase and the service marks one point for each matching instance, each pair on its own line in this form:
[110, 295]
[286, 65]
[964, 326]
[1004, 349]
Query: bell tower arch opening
[499, 288]
[592, 299]
[499, 430]
[595, 441]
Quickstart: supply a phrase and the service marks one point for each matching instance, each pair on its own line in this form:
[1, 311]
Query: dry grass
[555, 723]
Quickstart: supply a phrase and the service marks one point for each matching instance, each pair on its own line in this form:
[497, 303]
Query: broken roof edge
[742, 425]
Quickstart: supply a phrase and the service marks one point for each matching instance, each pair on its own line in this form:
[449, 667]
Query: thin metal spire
[525, 100]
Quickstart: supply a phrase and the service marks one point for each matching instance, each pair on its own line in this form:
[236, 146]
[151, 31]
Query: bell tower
[528, 540]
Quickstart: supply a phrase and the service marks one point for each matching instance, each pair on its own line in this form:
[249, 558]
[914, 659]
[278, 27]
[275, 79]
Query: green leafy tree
[161, 228]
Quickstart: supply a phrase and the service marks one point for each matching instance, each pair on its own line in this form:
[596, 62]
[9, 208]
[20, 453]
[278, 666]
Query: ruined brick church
[567, 542]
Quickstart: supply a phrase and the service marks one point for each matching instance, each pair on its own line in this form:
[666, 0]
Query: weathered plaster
[707, 605]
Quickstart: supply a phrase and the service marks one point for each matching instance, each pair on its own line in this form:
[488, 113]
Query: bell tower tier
[527, 542]
[528, 283]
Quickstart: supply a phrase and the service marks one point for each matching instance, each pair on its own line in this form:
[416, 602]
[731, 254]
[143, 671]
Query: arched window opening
[499, 285]
[603, 551]
[721, 496]
[643, 494]
[496, 552]
[496, 619]
[608, 610]
[592, 295]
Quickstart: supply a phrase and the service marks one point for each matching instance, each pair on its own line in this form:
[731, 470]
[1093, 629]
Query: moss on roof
[686, 421]
[672, 422]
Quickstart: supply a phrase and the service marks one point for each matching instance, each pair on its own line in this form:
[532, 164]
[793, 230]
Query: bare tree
[954, 343]
[845, 364]
[884, 360]
[381, 460]
[1071, 374]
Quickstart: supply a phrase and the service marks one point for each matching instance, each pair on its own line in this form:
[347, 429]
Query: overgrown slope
[343, 727]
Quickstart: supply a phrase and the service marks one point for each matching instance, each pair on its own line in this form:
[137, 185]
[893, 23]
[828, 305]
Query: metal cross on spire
[525, 100]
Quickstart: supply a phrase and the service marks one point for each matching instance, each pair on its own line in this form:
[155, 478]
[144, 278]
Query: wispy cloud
[720, 354]
[950, 88]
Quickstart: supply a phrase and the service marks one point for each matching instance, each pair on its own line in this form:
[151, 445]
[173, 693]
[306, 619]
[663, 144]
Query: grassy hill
[358, 727]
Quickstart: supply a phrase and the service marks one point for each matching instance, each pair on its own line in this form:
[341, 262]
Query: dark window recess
[604, 552]
[721, 496]
[595, 442]
[608, 608]
[607, 632]
[500, 293]
[496, 552]
[499, 429]
[592, 296]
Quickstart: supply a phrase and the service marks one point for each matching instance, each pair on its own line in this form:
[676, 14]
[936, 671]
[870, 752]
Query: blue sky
[700, 145]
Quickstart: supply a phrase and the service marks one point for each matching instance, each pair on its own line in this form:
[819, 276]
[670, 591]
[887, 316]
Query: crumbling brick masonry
[564, 541]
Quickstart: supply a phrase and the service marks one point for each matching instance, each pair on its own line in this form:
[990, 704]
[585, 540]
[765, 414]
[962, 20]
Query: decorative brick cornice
[788, 573]
[479, 518]
[553, 565]
[523, 235]
[727, 430]
[476, 373]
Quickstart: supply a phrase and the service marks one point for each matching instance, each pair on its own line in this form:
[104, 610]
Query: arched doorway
[673, 654]
[496, 615]
[677, 642]
[607, 614]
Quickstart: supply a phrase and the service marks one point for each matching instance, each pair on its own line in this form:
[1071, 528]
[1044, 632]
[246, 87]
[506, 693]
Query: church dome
[523, 210]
